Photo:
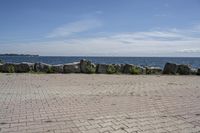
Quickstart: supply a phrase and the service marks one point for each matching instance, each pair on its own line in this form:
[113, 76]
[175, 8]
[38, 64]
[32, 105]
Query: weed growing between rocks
[11, 69]
[135, 70]
[111, 69]
[90, 68]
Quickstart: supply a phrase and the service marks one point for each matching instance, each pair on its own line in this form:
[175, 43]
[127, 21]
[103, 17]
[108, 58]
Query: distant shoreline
[18, 55]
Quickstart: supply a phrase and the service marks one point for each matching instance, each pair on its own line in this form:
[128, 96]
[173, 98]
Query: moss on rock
[90, 68]
[11, 69]
[87, 66]
[111, 69]
[135, 70]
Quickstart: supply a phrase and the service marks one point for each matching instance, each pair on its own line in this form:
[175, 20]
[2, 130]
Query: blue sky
[100, 27]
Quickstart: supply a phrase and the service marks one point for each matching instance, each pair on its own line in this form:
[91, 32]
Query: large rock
[31, 65]
[119, 68]
[87, 66]
[1, 65]
[194, 71]
[170, 68]
[184, 69]
[110, 68]
[72, 68]
[115, 68]
[153, 70]
[127, 68]
[102, 68]
[9, 67]
[198, 71]
[57, 68]
[23, 67]
[133, 69]
[42, 67]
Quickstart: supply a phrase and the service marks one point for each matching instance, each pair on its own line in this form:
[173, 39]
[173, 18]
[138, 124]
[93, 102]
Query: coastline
[86, 66]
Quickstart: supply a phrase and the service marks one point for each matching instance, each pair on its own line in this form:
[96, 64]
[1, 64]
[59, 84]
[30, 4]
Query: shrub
[50, 70]
[11, 69]
[90, 68]
[135, 70]
[111, 69]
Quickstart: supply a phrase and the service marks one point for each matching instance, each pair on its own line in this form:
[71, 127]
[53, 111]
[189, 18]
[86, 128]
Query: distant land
[18, 55]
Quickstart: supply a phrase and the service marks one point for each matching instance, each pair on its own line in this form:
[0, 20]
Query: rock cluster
[72, 68]
[15, 67]
[182, 69]
[85, 66]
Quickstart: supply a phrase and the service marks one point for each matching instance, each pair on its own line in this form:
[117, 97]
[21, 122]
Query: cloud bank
[74, 27]
[168, 42]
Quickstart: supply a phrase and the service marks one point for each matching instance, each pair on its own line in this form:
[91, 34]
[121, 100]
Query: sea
[142, 61]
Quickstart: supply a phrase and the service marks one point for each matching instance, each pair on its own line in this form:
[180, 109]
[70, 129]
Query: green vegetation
[135, 70]
[90, 68]
[111, 69]
[50, 70]
[11, 69]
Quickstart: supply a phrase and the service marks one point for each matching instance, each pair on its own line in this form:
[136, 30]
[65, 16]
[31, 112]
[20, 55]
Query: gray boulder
[115, 68]
[110, 68]
[194, 71]
[184, 69]
[127, 68]
[9, 67]
[198, 71]
[170, 68]
[133, 69]
[31, 65]
[119, 68]
[57, 68]
[87, 66]
[42, 67]
[72, 68]
[153, 70]
[102, 68]
[23, 67]
[1, 67]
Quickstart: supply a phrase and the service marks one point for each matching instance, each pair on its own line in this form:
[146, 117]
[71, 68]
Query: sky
[101, 27]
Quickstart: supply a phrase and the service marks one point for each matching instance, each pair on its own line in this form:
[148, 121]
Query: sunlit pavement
[75, 103]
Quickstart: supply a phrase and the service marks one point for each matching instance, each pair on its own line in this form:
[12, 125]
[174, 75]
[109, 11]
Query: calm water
[143, 61]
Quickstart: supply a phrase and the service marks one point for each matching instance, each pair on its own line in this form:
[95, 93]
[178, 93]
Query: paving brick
[74, 103]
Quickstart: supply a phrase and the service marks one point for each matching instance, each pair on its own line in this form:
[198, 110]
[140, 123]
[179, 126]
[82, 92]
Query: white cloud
[171, 42]
[191, 50]
[74, 27]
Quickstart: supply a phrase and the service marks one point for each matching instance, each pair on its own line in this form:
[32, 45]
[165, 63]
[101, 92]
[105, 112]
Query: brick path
[81, 103]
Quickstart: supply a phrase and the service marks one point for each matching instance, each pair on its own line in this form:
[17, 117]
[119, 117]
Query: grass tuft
[111, 69]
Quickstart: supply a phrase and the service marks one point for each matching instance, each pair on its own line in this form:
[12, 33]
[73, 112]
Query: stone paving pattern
[81, 103]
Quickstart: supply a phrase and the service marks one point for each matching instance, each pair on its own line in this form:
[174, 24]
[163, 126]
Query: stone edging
[85, 66]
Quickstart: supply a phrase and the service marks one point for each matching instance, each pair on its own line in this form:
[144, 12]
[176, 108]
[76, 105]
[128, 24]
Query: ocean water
[142, 61]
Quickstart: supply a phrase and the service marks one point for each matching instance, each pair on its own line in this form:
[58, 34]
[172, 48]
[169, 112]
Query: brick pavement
[81, 103]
